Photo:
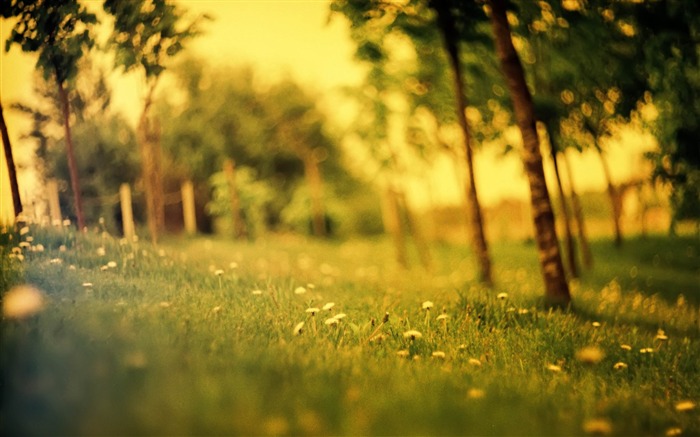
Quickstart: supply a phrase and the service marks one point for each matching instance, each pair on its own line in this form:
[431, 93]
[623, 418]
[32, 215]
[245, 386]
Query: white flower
[312, 310]
[55, 261]
[328, 306]
[298, 328]
[443, 317]
[101, 251]
[22, 301]
[412, 334]
[257, 292]
[24, 230]
[595, 324]
[331, 321]
[112, 264]
[218, 272]
[24, 244]
[474, 362]
[438, 354]
[340, 316]
[87, 284]
[299, 290]
[66, 222]
[590, 355]
[502, 296]
[427, 305]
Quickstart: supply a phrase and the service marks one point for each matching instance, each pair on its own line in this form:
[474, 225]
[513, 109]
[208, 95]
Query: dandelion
[328, 306]
[412, 334]
[646, 350]
[475, 393]
[101, 251]
[590, 355]
[443, 317]
[161, 253]
[674, 431]
[25, 244]
[626, 347]
[661, 335]
[438, 354]
[24, 230]
[66, 223]
[233, 265]
[403, 353]
[299, 290]
[597, 426]
[112, 264]
[619, 365]
[298, 329]
[312, 311]
[502, 296]
[553, 368]
[218, 272]
[685, 406]
[104, 268]
[164, 304]
[216, 309]
[62, 248]
[29, 239]
[595, 324]
[340, 316]
[474, 362]
[55, 261]
[427, 305]
[22, 301]
[257, 292]
[332, 321]
[523, 311]
[310, 286]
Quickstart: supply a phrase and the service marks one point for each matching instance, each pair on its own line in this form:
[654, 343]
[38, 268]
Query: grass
[161, 344]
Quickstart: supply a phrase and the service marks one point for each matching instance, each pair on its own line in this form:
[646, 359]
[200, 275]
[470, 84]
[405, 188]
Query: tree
[11, 170]
[60, 33]
[147, 33]
[556, 287]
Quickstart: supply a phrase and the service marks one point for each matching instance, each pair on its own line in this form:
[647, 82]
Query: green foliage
[60, 31]
[160, 344]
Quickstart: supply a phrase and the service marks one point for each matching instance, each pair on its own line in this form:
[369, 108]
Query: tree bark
[556, 287]
[239, 228]
[569, 243]
[11, 169]
[614, 196]
[578, 214]
[450, 36]
[72, 165]
[148, 139]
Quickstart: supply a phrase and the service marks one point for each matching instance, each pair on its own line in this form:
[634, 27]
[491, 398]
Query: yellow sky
[292, 38]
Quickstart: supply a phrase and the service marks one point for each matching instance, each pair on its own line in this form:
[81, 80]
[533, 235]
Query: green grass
[161, 345]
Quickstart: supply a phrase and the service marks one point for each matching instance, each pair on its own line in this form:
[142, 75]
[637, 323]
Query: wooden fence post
[54, 205]
[189, 217]
[127, 212]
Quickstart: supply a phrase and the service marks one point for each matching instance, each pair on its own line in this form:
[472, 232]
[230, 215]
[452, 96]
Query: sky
[295, 38]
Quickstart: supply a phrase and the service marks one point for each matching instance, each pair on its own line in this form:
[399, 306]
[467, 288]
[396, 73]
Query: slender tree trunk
[72, 165]
[615, 200]
[569, 243]
[450, 37]
[578, 214]
[11, 169]
[556, 287]
[315, 181]
[239, 228]
[148, 139]
[393, 224]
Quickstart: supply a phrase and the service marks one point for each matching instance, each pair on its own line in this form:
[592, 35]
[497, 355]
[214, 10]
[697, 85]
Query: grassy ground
[202, 337]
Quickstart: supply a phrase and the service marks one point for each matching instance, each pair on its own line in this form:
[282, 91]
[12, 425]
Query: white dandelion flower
[412, 334]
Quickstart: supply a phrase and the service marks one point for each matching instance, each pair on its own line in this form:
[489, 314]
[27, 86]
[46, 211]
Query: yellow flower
[340, 316]
[443, 317]
[218, 272]
[412, 334]
[597, 426]
[476, 393]
[298, 328]
[502, 296]
[438, 354]
[661, 335]
[626, 347]
[22, 301]
[474, 362]
[299, 290]
[256, 292]
[595, 324]
[328, 306]
[646, 350]
[619, 366]
[553, 368]
[112, 264]
[590, 355]
[312, 311]
[331, 321]
[403, 353]
[427, 305]
[685, 406]
[674, 431]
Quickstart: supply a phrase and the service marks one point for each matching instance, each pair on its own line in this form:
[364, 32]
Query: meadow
[292, 336]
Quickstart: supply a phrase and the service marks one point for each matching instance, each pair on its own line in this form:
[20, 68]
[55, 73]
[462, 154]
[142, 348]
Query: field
[204, 336]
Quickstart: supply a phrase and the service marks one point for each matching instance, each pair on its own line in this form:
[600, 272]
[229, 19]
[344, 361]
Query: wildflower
[523, 311]
[443, 317]
[597, 426]
[412, 334]
[403, 353]
[312, 311]
[216, 309]
[427, 305]
[233, 265]
[685, 406]
[331, 321]
[674, 431]
[474, 362]
[87, 284]
[218, 272]
[661, 335]
[104, 268]
[66, 223]
[62, 248]
[340, 316]
[24, 230]
[439, 354]
[619, 365]
[24, 244]
[38, 248]
[476, 393]
[112, 264]
[29, 239]
[164, 304]
[328, 306]
[626, 347]
[101, 251]
[299, 290]
[298, 328]
[310, 286]
[257, 292]
[595, 324]
[553, 368]
[502, 296]
[161, 253]
[646, 350]
[590, 355]
[101, 220]
[71, 267]
[22, 301]
[55, 261]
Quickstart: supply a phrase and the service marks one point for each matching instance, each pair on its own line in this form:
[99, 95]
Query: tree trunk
[450, 37]
[556, 287]
[393, 224]
[72, 165]
[239, 228]
[615, 200]
[569, 243]
[315, 181]
[578, 214]
[11, 169]
[416, 231]
[148, 138]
